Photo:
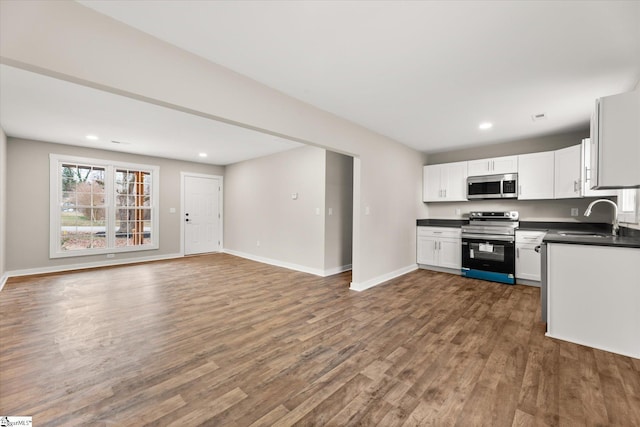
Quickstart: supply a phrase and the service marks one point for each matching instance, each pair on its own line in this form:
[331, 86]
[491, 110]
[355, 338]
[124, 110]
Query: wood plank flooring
[219, 340]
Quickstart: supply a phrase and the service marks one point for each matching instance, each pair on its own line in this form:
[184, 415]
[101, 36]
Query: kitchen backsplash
[530, 210]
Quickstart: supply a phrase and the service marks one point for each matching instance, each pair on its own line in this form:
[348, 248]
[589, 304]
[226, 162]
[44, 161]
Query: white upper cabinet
[568, 172]
[615, 142]
[586, 174]
[536, 176]
[445, 182]
[497, 165]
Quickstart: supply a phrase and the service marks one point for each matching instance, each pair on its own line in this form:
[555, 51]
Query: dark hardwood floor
[219, 340]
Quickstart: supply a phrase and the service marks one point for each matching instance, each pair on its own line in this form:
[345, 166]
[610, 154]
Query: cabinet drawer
[439, 232]
[533, 237]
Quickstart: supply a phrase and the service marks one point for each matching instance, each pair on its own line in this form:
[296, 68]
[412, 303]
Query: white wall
[27, 210]
[338, 234]
[297, 233]
[83, 46]
[258, 207]
[530, 210]
[3, 205]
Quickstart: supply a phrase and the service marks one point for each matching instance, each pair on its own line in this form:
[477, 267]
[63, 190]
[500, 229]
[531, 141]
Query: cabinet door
[507, 164]
[568, 181]
[496, 165]
[586, 174]
[454, 181]
[479, 167]
[431, 185]
[616, 137]
[527, 262]
[450, 253]
[427, 250]
[536, 176]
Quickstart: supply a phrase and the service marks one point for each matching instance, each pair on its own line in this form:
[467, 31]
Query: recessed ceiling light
[202, 154]
[485, 125]
[92, 137]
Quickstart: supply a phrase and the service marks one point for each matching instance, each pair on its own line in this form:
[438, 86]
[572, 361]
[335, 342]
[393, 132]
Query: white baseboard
[83, 266]
[337, 270]
[594, 345]
[440, 269]
[528, 282]
[382, 278]
[3, 280]
[291, 266]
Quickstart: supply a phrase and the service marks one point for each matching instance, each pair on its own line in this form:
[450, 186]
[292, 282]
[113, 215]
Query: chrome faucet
[615, 227]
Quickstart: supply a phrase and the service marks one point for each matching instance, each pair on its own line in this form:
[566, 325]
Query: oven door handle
[487, 237]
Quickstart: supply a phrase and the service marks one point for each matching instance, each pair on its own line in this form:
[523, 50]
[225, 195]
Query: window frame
[55, 203]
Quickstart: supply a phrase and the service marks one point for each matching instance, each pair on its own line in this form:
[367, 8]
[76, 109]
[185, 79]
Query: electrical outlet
[457, 211]
[111, 255]
[575, 212]
[330, 211]
[258, 243]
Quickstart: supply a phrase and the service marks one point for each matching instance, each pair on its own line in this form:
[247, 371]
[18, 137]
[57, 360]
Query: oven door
[489, 257]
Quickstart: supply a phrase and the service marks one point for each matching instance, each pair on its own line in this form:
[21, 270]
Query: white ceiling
[38, 107]
[423, 73]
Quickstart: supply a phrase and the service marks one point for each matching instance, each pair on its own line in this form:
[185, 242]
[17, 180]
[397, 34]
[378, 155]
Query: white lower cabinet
[528, 262]
[439, 247]
[593, 297]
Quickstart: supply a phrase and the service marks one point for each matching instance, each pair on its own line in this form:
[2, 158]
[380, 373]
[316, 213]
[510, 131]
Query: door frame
[183, 175]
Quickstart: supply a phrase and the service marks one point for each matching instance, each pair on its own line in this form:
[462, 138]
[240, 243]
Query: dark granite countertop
[599, 239]
[629, 238]
[432, 222]
[597, 227]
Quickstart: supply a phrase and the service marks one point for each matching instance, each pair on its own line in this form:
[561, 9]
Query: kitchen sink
[581, 234]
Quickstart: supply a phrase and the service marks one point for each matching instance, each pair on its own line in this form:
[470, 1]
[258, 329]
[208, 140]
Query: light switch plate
[575, 212]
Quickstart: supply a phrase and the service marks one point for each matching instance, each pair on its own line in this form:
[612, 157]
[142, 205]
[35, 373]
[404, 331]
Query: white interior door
[201, 214]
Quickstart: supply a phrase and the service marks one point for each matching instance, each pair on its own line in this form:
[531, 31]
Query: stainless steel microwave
[503, 186]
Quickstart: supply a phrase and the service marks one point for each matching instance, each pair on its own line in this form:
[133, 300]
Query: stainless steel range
[488, 246]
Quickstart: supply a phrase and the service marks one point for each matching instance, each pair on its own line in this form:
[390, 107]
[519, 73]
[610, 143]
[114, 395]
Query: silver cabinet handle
[517, 252]
[519, 190]
[440, 245]
[435, 246]
[445, 192]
